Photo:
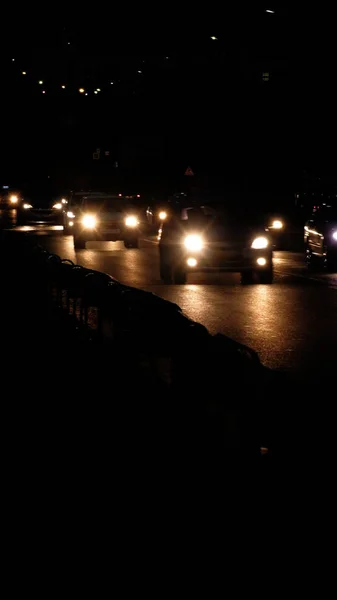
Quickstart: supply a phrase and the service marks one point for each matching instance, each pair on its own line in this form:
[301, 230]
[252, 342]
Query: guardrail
[209, 374]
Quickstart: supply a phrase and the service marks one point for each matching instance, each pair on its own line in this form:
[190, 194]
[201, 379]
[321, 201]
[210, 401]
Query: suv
[104, 217]
[207, 239]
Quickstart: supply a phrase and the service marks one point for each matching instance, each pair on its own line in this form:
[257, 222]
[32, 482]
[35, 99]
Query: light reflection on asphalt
[291, 324]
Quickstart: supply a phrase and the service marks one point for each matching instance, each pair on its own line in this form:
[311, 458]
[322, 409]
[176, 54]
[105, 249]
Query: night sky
[244, 109]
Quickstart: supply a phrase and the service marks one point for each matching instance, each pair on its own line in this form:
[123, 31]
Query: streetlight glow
[271, 12]
[81, 90]
[40, 82]
[213, 38]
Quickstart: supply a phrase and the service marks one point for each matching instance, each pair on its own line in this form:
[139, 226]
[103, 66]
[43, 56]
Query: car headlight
[163, 215]
[14, 199]
[89, 221]
[277, 224]
[131, 221]
[70, 214]
[260, 243]
[334, 235]
[58, 206]
[27, 206]
[194, 243]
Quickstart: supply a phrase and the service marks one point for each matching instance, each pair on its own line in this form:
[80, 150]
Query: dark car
[320, 238]
[38, 214]
[106, 217]
[208, 239]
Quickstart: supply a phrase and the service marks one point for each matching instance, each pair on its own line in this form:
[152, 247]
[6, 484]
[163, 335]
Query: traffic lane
[291, 324]
[292, 327]
[137, 267]
[140, 267]
[293, 264]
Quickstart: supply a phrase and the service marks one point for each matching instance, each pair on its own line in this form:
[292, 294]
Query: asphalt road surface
[292, 324]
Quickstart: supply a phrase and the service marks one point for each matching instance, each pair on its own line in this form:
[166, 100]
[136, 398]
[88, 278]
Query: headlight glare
[194, 242]
[89, 221]
[27, 206]
[131, 221]
[277, 224]
[163, 215]
[260, 243]
[57, 206]
[14, 199]
[70, 214]
[334, 235]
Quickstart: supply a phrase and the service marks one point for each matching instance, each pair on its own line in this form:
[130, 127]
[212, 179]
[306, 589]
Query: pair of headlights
[195, 243]
[90, 221]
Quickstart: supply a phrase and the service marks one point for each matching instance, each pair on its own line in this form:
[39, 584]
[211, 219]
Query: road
[292, 324]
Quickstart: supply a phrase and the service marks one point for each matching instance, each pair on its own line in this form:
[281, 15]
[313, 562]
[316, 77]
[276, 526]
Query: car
[320, 238]
[38, 214]
[207, 239]
[106, 217]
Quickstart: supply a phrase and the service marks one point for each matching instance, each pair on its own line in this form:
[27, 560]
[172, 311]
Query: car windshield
[234, 216]
[106, 204]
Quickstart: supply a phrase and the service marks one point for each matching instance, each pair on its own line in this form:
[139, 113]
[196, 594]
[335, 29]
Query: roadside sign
[189, 172]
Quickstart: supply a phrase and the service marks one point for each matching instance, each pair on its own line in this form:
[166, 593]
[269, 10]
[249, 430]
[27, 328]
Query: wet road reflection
[291, 324]
[7, 217]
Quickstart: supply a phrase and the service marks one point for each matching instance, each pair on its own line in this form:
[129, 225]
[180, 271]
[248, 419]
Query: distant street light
[272, 12]
[40, 82]
[81, 90]
[24, 73]
[213, 38]
[63, 87]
